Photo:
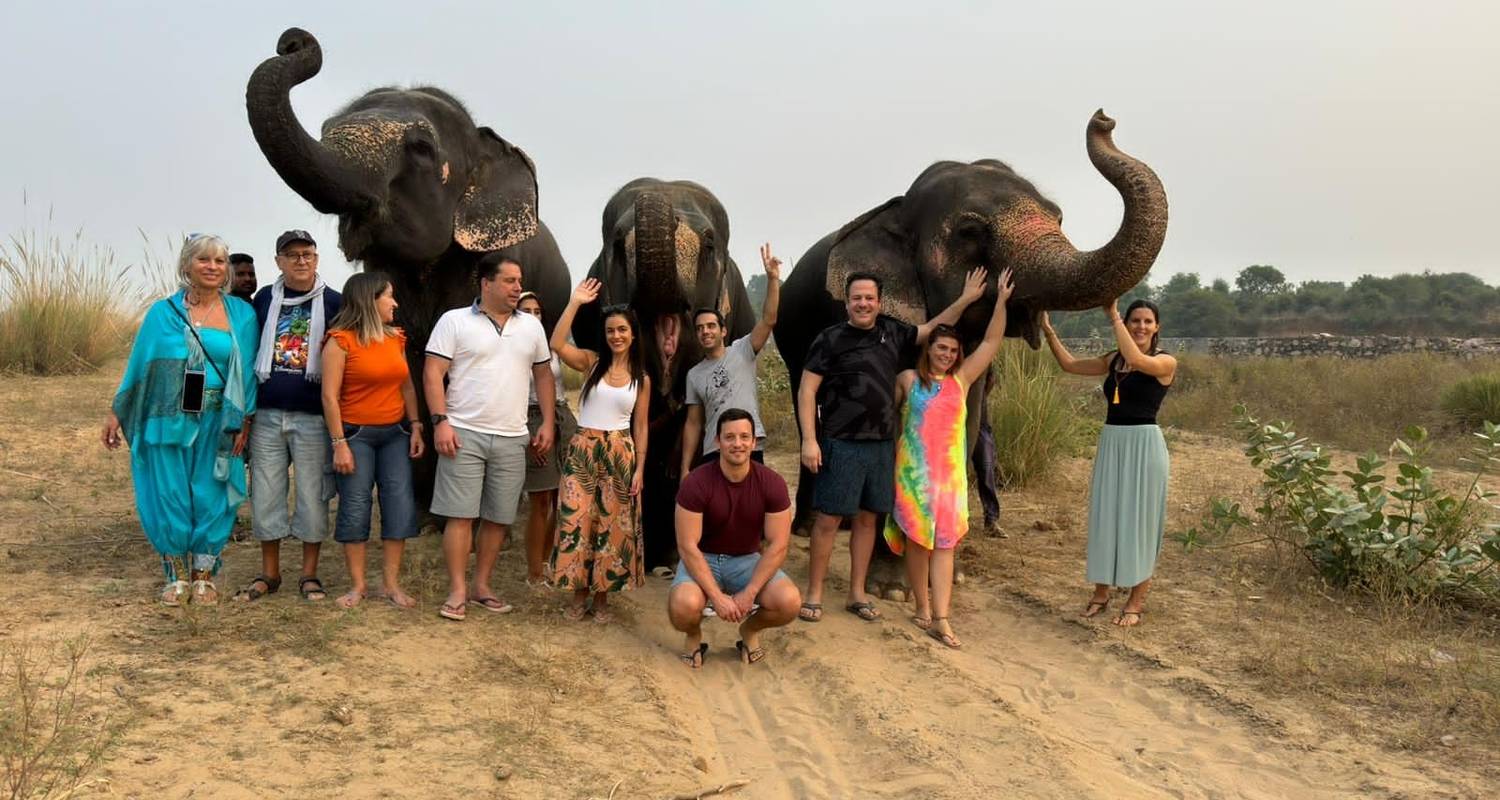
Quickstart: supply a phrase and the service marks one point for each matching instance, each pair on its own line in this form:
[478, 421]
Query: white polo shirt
[490, 369]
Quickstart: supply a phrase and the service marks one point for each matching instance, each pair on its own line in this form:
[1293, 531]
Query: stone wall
[1317, 345]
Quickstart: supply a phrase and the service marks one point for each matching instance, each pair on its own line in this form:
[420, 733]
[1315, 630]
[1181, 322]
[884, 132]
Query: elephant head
[666, 253]
[407, 171]
[958, 216]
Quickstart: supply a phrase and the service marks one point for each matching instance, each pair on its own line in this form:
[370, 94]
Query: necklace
[193, 303]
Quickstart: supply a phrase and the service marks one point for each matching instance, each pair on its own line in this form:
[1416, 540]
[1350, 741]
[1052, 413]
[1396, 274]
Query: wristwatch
[437, 418]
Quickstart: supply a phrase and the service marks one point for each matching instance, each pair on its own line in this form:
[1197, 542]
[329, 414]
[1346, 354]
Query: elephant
[421, 193]
[957, 216]
[665, 252]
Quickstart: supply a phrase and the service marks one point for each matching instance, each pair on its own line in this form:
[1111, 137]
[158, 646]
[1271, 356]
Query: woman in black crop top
[1128, 492]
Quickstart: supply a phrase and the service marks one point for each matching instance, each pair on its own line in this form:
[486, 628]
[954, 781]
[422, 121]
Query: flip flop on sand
[694, 659]
[865, 611]
[749, 655]
[455, 613]
[810, 612]
[493, 604]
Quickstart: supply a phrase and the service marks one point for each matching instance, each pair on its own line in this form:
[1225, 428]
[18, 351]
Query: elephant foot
[887, 579]
[958, 576]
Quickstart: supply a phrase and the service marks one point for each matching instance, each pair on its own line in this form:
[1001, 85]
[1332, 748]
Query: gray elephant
[421, 192]
[665, 253]
[958, 216]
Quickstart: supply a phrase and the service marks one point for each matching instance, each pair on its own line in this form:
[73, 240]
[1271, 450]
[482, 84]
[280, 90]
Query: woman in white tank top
[599, 546]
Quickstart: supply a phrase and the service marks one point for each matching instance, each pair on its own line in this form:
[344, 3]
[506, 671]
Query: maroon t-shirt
[734, 514]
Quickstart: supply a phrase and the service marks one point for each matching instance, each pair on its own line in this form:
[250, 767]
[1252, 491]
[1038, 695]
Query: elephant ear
[875, 243]
[498, 207]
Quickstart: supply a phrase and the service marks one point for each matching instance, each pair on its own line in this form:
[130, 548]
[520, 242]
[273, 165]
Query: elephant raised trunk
[304, 163]
[1058, 276]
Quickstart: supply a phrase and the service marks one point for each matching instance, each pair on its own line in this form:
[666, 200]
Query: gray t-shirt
[728, 382]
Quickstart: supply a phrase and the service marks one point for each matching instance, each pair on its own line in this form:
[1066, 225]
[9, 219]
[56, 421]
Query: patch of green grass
[1471, 402]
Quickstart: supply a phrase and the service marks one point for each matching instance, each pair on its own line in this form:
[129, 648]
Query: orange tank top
[373, 377]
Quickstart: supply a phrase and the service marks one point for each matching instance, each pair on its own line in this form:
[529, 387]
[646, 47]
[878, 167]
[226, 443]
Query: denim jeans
[382, 461]
[279, 440]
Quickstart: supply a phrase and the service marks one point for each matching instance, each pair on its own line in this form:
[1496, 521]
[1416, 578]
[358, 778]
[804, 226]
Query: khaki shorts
[483, 479]
[546, 477]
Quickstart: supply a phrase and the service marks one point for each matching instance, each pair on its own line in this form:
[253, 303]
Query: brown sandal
[251, 592]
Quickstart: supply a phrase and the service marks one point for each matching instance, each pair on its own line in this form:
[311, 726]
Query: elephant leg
[887, 577]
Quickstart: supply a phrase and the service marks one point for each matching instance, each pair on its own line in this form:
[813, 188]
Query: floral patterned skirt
[599, 546]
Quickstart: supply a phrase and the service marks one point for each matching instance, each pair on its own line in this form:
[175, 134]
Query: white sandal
[201, 588]
[174, 593]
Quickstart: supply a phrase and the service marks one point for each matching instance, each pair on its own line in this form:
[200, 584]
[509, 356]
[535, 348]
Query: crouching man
[726, 509]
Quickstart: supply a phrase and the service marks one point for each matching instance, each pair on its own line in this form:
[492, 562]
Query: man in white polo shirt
[485, 351]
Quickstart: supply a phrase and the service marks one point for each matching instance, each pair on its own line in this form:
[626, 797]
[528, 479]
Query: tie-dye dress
[932, 479]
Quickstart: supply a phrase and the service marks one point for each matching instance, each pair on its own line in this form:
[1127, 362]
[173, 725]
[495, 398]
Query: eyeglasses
[299, 258]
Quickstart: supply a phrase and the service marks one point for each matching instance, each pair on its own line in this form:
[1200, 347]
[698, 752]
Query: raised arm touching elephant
[665, 253]
[421, 191]
[956, 217]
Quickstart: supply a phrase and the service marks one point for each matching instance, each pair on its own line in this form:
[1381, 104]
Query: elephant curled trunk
[303, 162]
[1061, 277]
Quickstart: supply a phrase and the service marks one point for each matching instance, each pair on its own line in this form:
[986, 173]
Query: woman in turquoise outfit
[187, 445]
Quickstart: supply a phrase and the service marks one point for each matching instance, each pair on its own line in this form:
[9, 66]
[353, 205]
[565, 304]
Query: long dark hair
[1155, 314]
[358, 312]
[635, 356]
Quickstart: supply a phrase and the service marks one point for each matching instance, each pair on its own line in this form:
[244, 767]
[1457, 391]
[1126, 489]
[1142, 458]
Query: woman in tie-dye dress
[932, 480]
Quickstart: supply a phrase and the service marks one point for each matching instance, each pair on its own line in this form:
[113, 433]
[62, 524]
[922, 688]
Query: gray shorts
[483, 479]
[547, 477]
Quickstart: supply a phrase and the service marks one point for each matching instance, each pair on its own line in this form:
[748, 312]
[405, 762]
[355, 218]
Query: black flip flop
[865, 611]
[250, 593]
[747, 655]
[814, 612]
[695, 659]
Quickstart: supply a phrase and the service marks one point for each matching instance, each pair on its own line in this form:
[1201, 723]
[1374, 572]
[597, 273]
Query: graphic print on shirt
[289, 350]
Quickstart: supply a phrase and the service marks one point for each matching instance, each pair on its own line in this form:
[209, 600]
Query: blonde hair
[194, 246]
[358, 312]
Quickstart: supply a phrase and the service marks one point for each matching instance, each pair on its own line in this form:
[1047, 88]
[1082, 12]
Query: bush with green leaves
[1356, 527]
[1473, 401]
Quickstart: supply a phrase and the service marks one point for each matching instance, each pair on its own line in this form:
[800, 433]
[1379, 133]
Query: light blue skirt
[1127, 504]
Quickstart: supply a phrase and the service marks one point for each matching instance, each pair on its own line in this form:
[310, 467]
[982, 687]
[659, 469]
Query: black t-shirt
[288, 388]
[734, 514]
[857, 399]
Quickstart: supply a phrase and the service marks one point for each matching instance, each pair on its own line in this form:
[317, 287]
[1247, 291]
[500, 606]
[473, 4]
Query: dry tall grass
[1357, 405]
[65, 306]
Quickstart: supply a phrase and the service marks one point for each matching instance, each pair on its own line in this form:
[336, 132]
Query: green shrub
[50, 738]
[1473, 401]
[1035, 417]
[1411, 538]
[63, 308]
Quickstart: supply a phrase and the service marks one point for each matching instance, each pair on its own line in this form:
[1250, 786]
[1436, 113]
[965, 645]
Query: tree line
[1262, 302]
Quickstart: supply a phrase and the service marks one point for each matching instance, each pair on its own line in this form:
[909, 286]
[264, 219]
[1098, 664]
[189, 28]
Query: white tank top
[607, 408]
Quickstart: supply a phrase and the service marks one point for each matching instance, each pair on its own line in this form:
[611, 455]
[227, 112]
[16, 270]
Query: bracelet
[338, 440]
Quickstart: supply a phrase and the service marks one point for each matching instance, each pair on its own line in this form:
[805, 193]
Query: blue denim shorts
[732, 573]
[856, 476]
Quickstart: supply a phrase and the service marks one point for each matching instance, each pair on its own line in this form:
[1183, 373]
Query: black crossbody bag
[193, 380]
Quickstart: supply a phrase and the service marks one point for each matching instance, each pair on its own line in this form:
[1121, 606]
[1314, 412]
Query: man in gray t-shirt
[725, 378]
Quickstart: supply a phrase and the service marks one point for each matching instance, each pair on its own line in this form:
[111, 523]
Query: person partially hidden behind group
[734, 523]
[599, 546]
[370, 406]
[184, 406]
[931, 512]
[544, 468]
[1128, 490]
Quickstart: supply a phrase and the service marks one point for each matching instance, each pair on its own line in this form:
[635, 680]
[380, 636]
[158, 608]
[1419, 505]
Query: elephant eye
[421, 147]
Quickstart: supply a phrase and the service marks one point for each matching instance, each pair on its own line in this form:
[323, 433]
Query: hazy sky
[1330, 139]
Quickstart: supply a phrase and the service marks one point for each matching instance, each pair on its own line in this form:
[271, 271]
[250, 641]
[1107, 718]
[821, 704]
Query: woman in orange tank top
[370, 406]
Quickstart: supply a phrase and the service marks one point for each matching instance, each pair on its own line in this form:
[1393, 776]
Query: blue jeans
[381, 459]
[278, 440]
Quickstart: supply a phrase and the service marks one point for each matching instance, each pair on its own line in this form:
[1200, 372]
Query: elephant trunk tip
[294, 40]
[1101, 122]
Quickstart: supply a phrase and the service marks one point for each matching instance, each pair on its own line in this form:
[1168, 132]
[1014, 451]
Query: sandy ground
[287, 698]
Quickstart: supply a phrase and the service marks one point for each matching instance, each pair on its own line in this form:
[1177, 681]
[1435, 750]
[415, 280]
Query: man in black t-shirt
[846, 408]
[725, 510]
